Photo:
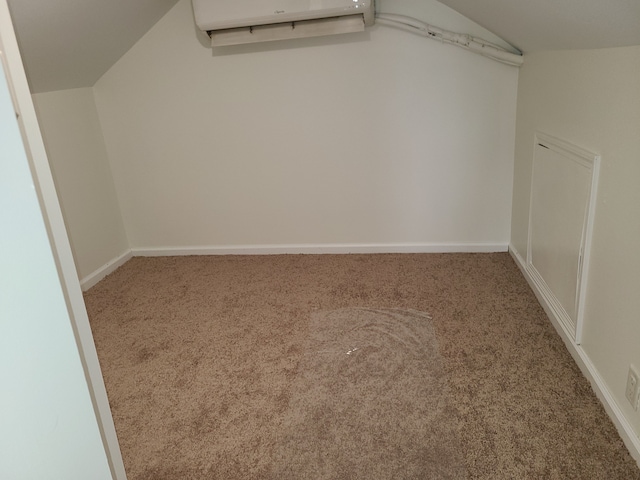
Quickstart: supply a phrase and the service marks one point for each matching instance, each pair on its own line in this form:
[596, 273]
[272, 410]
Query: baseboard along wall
[631, 441]
[333, 248]
[90, 280]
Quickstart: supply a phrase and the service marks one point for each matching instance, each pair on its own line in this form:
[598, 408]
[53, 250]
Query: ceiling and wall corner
[442, 16]
[552, 25]
[71, 43]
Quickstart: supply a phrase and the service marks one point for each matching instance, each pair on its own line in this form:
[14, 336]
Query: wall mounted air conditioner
[232, 22]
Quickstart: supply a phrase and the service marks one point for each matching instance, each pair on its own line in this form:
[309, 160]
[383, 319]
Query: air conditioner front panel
[211, 15]
[287, 31]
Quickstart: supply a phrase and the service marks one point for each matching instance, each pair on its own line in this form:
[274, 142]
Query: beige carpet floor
[343, 367]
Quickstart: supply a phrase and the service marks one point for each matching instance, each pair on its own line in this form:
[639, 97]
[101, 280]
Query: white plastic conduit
[468, 42]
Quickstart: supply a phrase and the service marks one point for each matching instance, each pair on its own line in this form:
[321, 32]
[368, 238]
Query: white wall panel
[381, 137]
[591, 98]
[564, 182]
[78, 158]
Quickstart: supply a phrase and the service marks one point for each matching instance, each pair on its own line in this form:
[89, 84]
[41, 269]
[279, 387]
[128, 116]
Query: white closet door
[562, 187]
[55, 420]
[47, 419]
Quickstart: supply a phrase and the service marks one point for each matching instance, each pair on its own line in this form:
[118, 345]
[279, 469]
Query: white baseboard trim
[93, 278]
[90, 280]
[329, 248]
[628, 435]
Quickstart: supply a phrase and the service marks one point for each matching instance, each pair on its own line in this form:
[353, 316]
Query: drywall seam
[111, 266]
[588, 369]
[329, 248]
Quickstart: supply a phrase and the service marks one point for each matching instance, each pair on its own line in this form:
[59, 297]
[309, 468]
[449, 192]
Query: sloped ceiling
[71, 43]
[535, 25]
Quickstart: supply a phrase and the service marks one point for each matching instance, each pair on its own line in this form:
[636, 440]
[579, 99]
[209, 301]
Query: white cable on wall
[467, 42]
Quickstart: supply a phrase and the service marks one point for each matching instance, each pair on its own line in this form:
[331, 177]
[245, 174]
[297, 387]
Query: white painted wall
[382, 137]
[78, 158]
[592, 99]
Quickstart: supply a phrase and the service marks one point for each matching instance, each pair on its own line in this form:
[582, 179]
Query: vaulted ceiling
[71, 43]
